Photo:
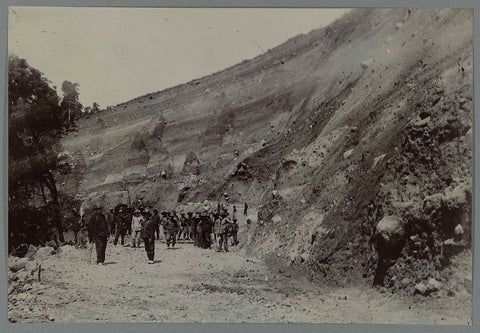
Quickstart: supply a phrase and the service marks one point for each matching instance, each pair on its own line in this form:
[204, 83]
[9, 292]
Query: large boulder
[21, 276]
[389, 241]
[391, 229]
[44, 253]
[17, 264]
[191, 164]
[420, 288]
[433, 285]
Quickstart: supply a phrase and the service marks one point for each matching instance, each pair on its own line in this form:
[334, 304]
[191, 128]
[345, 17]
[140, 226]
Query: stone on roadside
[44, 253]
[27, 287]
[433, 285]
[365, 64]
[468, 285]
[21, 296]
[67, 249]
[420, 288]
[31, 267]
[17, 264]
[31, 251]
[21, 276]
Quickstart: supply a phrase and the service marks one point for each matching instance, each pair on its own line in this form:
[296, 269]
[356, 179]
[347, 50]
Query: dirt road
[187, 284]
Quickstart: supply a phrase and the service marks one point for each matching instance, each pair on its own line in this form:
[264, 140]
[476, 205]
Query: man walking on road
[98, 231]
[156, 221]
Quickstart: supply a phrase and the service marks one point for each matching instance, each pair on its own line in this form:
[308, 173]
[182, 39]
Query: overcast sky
[117, 54]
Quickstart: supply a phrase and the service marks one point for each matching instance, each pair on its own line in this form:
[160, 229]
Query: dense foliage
[37, 119]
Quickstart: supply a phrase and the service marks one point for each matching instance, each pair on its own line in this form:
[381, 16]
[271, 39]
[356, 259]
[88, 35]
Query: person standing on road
[157, 222]
[170, 228]
[148, 236]
[189, 220]
[183, 227]
[216, 227]
[163, 223]
[82, 233]
[224, 227]
[245, 209]
[121, 223]
[234, 231]
[98, 231]
[207, 230]
[137, 224]
[111, 221]
[195, 222]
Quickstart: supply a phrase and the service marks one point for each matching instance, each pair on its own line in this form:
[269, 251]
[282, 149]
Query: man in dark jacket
[195, 221]
[156, 221]
[170, 229]
[207, 230]
[234, 231]
[111, 221]
[98, 232]
[148, 235]
[122, 222]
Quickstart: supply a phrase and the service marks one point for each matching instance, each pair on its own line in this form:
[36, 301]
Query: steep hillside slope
[327, 133]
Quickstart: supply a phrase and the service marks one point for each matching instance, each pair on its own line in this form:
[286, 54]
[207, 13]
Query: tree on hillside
[36, 122]
[95, 107]
[70, 100]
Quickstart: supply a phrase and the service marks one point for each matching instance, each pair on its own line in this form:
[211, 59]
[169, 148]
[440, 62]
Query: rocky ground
[187, 284]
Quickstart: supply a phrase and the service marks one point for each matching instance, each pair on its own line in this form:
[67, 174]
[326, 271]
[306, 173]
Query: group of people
[143, 224]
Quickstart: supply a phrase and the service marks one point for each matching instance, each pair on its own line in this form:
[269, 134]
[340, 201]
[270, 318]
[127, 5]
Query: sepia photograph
[240, 165]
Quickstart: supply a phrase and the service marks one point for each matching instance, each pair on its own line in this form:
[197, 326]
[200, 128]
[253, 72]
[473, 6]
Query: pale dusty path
[196, 285]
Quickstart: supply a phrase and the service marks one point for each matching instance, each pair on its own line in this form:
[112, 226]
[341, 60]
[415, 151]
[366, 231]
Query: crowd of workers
[143, 223]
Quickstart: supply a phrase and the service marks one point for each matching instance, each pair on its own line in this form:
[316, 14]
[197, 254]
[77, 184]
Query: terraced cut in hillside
[354, 141]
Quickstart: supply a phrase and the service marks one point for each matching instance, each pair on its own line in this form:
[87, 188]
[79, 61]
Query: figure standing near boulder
[98, 232]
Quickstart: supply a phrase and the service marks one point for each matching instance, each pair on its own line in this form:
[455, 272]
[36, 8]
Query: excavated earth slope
[326, 134]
